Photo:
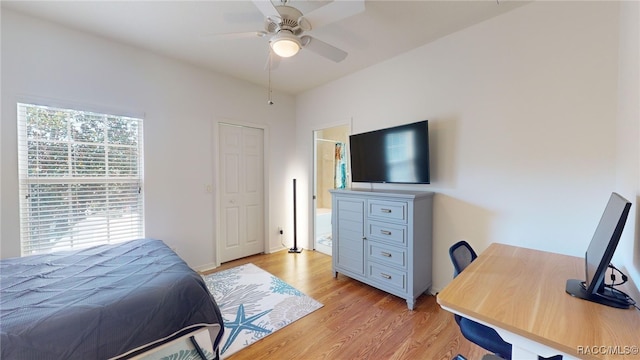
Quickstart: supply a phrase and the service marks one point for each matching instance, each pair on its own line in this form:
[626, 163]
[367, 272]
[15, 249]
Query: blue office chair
[462, 254]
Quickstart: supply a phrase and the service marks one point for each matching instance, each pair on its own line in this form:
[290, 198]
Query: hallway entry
[330, 172]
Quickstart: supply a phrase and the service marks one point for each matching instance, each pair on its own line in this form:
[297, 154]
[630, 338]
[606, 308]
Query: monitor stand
[608, 297]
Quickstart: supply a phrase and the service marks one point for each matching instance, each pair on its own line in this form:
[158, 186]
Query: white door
[241, 191]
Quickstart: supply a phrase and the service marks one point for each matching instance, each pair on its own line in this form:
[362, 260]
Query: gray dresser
[383, 238]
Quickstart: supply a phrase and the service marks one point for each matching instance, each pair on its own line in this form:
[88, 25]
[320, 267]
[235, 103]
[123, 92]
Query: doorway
[330, 172]
[241, 206]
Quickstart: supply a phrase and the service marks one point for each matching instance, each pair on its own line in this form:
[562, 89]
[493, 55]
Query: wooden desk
[521, 293]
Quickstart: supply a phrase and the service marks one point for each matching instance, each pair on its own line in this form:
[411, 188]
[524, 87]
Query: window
[80, 178]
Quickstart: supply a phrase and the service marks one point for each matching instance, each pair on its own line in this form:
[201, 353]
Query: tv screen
[599, 254]
[393, 155]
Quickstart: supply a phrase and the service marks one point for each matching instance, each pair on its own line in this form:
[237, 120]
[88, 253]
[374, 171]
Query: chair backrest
[462, 255]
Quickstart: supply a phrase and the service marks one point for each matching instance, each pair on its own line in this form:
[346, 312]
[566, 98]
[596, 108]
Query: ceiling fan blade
[268, 10]
[275, 61]
[332, 12]
[242, 17]
[322, 48]
[239, 35]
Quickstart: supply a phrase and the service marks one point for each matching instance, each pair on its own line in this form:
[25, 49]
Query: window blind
[80, 177]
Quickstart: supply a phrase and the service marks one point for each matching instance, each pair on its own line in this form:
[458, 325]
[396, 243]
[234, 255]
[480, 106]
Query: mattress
[100, 302]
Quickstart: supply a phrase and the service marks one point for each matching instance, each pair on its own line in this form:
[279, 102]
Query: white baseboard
[275, 250]
[205, 268]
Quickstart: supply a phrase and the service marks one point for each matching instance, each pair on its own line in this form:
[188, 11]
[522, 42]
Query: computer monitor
[599, 254]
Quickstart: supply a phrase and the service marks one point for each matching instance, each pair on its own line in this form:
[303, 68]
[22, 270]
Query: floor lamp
[295, 249]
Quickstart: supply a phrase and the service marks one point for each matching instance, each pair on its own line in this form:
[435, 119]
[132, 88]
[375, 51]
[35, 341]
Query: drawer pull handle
[386, 210]
[386, 254]
[385, 232]
[386, 276]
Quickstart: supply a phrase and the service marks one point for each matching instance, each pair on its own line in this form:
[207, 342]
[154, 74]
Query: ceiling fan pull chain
[269, 101]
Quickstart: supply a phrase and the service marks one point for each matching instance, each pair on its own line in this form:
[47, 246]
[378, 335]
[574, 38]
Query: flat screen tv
[393, 155]
[598, 256]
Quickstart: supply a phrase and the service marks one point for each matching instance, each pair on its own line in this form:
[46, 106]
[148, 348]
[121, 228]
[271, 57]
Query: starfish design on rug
[243, 323]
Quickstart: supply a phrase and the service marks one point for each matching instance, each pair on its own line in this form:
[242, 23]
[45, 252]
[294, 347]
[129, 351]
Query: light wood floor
[357, 321]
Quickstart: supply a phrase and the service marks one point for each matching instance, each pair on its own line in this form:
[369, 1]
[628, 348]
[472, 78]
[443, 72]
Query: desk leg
[520, 353]
[527, 349]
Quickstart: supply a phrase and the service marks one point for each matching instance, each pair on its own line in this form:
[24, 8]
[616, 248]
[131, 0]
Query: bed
[106, 302]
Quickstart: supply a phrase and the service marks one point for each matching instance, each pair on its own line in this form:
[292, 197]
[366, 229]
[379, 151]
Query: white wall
[522, 112]
[628, 174]
[180, 104]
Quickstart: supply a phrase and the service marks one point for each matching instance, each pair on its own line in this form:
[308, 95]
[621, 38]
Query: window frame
[116, 227]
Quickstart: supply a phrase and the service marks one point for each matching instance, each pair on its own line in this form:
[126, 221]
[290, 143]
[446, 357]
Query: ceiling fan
[285, 27]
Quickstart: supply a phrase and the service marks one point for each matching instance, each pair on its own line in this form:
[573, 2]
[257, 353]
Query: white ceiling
[186, 30]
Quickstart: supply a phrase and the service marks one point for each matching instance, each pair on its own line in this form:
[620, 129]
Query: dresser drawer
[387, 255]
[387, 210]
[388, 278]
[390, 233]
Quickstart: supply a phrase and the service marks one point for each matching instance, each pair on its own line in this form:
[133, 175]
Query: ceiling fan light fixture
[285, 44]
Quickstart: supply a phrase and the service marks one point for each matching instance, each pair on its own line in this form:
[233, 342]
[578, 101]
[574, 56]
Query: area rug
[254, 304]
